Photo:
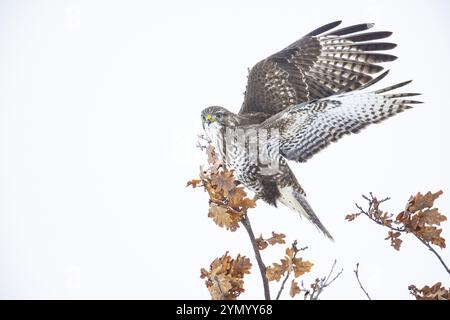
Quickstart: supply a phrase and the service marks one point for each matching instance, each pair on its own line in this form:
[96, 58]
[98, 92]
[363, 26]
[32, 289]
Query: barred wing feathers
[320, 64]
[307, 128]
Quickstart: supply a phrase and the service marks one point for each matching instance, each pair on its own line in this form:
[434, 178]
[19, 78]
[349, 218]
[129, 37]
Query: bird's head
[218, 116]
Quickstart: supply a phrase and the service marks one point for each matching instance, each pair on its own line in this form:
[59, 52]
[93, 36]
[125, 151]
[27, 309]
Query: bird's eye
[218, 115]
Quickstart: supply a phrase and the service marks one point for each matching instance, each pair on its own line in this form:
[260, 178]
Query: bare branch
[356, 271]
[435, 253]
[321, 284]
[282, 285]
[262, 268]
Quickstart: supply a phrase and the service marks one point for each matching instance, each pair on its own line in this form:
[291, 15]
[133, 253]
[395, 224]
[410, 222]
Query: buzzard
[297, 102]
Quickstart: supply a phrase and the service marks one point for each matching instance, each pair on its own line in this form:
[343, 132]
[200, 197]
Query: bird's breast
[215, 134]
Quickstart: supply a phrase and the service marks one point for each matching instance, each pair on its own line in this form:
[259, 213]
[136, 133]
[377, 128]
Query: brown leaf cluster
[274, 239]
[377, 214]
[350, 217]
[395, 240]
[418, 218]
[228, 202]
[290, 263]
[224, 279]
[421, 219]
[374, 212]
[435, 292]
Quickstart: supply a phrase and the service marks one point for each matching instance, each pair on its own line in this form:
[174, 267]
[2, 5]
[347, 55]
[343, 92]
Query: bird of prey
[297, 102]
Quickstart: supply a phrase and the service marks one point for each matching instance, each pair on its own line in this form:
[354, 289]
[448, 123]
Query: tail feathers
[297, 202]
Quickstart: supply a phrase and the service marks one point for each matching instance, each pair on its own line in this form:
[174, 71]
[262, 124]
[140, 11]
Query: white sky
[100, 106]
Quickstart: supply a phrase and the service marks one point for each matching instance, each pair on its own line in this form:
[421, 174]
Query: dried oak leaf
[221, 265]
[193, 183]
[385, 219]
[224, 279]
[290, 252]
[223, 217]
[288, 264]
[240, 266]
[275, 271]
[433, 235]
[214, 196]
[221, 285]
[219, 215]
[395, 240]
[223, 181]
[401, 218]
[248, 203]
[433, 217]
[352, 216]
[435, 292]
[421, 219]
[236, 197]
[420, 201]
[203, 273]
[301, 267]
[261, 243]
[295, 289]
[276, 238]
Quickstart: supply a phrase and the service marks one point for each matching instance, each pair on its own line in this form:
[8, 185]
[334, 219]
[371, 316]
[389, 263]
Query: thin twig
[356, 271]
[435, 253]
[324, 282]
[366, 213]
[262, 268]
[222, 295]
[282, 285]
[331, 271]
[201, 137]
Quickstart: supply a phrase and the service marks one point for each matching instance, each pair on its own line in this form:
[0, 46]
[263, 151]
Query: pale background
[100, 106]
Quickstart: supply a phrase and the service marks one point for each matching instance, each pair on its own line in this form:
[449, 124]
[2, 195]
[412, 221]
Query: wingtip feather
[395, 86]
[324, 28]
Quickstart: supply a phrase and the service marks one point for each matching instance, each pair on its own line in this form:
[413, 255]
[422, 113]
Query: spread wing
[317, 66]
[307, 128]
